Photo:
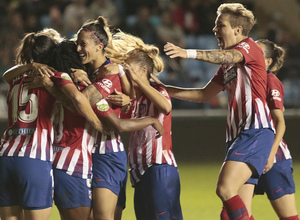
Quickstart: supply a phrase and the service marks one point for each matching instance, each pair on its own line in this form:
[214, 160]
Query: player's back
[30, 132]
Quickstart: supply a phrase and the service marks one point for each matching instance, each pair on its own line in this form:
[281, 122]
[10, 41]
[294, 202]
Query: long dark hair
[64, 57]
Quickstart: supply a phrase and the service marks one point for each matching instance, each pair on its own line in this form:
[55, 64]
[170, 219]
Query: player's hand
[111, 69]
[43, 69]
[269, 164]
[80, 76]
[118, 98]
[33, 82]
[158, 127]
[174, 51]
[130, 72]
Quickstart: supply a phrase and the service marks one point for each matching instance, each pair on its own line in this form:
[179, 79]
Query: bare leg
[79, 213]
[104, 203]
[11, 213]
[37, 214]
[232, 177]
[246, 193]
[285, 206]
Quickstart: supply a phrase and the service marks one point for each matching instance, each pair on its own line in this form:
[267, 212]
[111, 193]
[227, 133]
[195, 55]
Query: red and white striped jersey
[73, 138]
[108, 143]
[30, 131]
[144, 148]
[246, 86]
[275, 93]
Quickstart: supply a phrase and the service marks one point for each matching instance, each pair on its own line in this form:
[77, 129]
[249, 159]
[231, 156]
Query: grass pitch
[198, 198]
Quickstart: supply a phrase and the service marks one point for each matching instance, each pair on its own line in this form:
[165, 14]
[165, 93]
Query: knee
[224, 192]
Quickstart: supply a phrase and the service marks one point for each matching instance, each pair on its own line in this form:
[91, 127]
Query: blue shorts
[157, 194]
[253, 147]
[110, 171]
[71, 191]
[26, 182]
[278, 181]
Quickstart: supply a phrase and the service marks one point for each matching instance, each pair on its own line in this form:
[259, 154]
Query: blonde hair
[125, 47]
[239, 16]
[275, 52]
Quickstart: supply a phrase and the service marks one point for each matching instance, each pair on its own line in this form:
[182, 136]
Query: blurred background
[186, 23]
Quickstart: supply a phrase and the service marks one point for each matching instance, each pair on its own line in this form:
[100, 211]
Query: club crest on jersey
[245, 46]
[66, 77]
[229, 75]
[102, 105]
[142, 109]
[275, 94]
[164, 93]
[106, 84]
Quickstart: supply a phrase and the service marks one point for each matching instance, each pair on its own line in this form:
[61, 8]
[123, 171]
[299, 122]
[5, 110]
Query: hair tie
[95, 36]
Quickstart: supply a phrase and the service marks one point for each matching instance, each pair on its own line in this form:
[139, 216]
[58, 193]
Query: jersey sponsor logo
[230, 75]
[275, 94]
[57, 148]
[245, 46]
[106, 84]
[66, 77]
[21, 131]
[102, 105]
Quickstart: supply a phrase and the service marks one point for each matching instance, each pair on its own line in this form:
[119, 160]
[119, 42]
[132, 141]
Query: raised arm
[70, 97]
[162, 103]
[15, 71]
[211, 56]
[192, 94]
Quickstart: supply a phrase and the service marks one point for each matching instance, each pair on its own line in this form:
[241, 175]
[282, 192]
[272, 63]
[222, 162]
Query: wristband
[121, 70]
[192, 54]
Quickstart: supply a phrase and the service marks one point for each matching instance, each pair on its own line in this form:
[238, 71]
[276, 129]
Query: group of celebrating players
[69, 99]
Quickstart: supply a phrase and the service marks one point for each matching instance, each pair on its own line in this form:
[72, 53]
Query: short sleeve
[275, 93]
[102, 109]
[61, 79]
[107, 84]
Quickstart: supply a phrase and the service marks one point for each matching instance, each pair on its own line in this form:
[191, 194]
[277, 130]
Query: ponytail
[35, 47]
[275, 52]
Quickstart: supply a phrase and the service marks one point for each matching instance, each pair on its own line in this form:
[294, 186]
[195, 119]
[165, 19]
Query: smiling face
[227, 36]
[86, 47]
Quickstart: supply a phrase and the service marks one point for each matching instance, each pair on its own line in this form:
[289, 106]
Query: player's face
[224, 33]
[86, 47]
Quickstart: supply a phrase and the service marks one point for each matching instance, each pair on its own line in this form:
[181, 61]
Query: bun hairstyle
[275, 52]
[125, 47]
[35, 47]
[99, 31]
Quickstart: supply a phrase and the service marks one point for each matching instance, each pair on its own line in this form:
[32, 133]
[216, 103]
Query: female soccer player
[153, 169]
[75, 141]
[26, 151]
[277, 180]
[109, 157]
[249, 130]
